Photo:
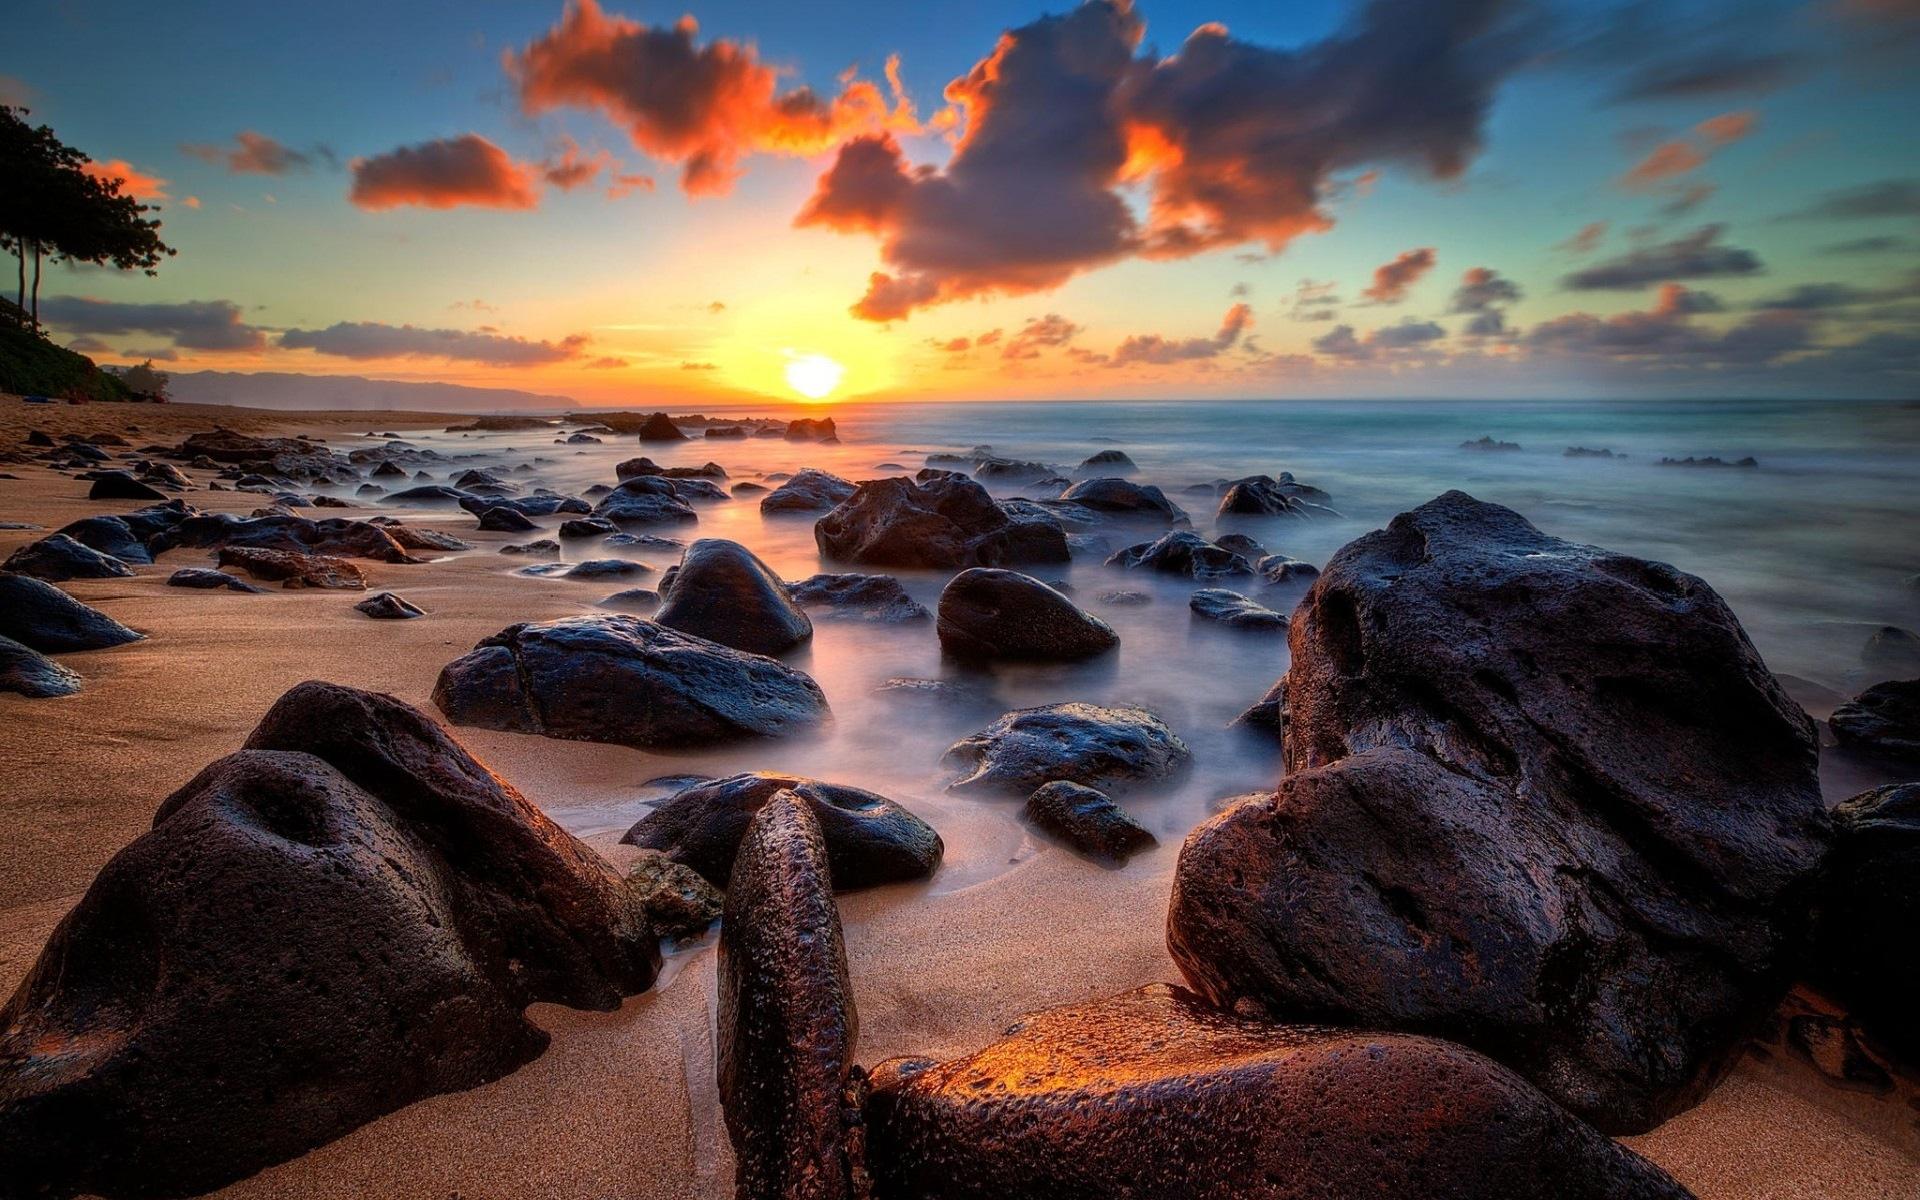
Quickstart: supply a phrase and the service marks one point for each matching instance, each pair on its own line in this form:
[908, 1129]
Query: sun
[813, 375]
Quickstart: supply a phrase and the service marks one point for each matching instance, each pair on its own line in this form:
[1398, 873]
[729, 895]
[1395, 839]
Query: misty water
[1813, 548]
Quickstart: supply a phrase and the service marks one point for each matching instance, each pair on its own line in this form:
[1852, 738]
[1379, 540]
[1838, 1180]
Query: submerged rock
[632, 600]
[504, 520]
[946, 521]
[786, 1019]
[385, 606]
[1868, 908]
[809, 491]
[1107, 464]
[1182, 552]
[987, 613]
[724, 593]
[1539, 797]
[1265, 496]
[1118, 497]
[1235, 611]
[1100, 746]
[587, 527]
[870, 839]
[877, 598]
[36, 614]
[1088, 821]
[58, 557]
[1884, 719]
[645, 500]
[1893, 650]
[627, 681]
[349, 915]
[660, 428]
[1153, 1095]
[608, 568]
[27, 672]
[537, 548]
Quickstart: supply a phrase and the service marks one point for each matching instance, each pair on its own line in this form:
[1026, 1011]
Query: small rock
[877, 598]
[27, 672]
[1235, 611]
[1088, 821]
[809, 491]
[1884, 719]
[632, 600]
[1183, 552]
[385, 606]
[118, 485]
[505, 520]
[295, 570]
[608, 568]
[678, 902]
[1099, 746]
[540, 547]
[209, 579]
[587, 527]
[58, 557]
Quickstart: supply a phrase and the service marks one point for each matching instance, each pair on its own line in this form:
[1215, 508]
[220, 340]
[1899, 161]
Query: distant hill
[284, 389]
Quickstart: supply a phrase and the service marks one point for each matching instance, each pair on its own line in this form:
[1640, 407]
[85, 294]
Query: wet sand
[624, 1103]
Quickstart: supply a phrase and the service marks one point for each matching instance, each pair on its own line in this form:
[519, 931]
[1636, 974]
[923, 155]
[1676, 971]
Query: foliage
[30, 365]
[145, 380]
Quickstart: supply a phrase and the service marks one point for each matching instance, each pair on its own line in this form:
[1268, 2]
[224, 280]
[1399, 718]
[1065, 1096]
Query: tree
[145, 380]
[52, 208]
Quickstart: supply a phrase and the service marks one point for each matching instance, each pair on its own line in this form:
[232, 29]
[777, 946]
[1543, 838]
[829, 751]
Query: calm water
[1813, 549]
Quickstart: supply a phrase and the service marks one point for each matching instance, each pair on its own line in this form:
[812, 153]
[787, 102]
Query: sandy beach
[624, 1103]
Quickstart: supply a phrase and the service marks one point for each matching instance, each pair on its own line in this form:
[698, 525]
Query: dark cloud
[1885, 198]
[252, 154]
[1391, 280]
[702, 106]
[1698, 255]
[1814, 297]
[372, 339]
[192, 325]
[1889, 244]
[1152, 348]
[467, 170]
[1482, 289]
[1715, 73]
[1667, 335]
[1342, 343]
[1234, 143]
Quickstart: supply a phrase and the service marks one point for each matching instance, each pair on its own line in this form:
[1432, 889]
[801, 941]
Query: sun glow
[813, 375]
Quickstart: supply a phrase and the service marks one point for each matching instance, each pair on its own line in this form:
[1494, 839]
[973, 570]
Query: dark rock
[40, 616]
[1235, 611]
[226, 446]
[543, 570]
[1153, 1095]
[1277, 570]
[583, 439]
[1265, 496]
[504, 520]
[1539, 797]
[431, 493]
[660, 428]
[1007, 470]
[340, 537]
[679, 904]
[1123, 599]
[1268, 714]
[870, 839]
[1101, 746]
[646, 541]
[409, 538]
[645, 500]
[724, 593]
[627, 681]
[1182, 552]
[809, 491]
[27, 672]
[1894, 651]
[727, 431]
[118, 485]
[747, 487]
[1884, 720]
[385, 606]
[812, 429]
[1708, 461]
[484, 483]
[1246, 547]
[646, 466]
[877, 598]
[1107, 464]
[1088, 821]
[786, 1019]
[207, 579]
[948, 521]
[1868, 908]
[1122, 498]
[111, 536]
[1488, 443]
[389, 470]
[539, 546]
[347, 916]
[540, 504]
[293, 570]
[987, 613]
[587, 527]
[501, 424]
[632, 600]
[608, 568]
[58, 557]
[1830, 1046]
[1588, 452]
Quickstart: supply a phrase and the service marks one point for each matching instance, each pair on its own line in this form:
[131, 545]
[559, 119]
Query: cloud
[1686, 199]
[1482, 289]
[1409, 335]
[251, 154]
[133, 181]
[373, 339]
[1885, 198]
[1154, 349]
[1667, 335]
[1698, 255]
[88, 344]
[1037, 334]
[1716, 73]
[446, 173]
[1233, 143]
[575, 168]
[1391, 280]
[1681, 156]
[1887, 244]
[701, 106]
[699, 366]
[14, 92]
[1815, 297]
[1586, 240]
[191, 325]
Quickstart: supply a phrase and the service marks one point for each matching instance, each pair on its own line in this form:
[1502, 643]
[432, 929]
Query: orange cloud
[252, 154]
[1391, 280]
[448, 173]
[1728, 127]
[1680, 156]
[133, 181]
[701, 106]
[1152, 348]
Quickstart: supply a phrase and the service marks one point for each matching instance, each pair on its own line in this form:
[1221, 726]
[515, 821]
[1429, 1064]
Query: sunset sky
[633, 203]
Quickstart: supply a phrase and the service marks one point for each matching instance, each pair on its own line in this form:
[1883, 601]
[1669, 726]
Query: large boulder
[945, 521]
[27, 672]
[870, 839]
[812, 429]
[1540, 798]
[58, 558]
[340, 537]
[1868, 909]
[1153, 1095]
[988, 613]
[877, 598]
[1883, 720]
[660, 428]
[348, 915]
[808, 491]
[111, 536]
[36, 614]
[1121, 498]
[786, 1020]
[645, 500]
[623, 680]
[1108, 747]
[724, 593]
[1182, 552]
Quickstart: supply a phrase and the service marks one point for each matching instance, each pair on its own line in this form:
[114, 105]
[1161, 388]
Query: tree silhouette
[52, 208]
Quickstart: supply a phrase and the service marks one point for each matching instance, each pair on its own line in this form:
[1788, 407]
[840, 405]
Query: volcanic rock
[987, 613]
